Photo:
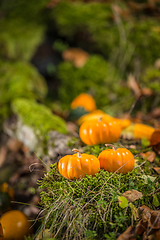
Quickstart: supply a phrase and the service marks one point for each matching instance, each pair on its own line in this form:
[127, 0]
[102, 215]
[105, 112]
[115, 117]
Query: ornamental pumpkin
[78, 165]
[84, 100]
[138, 130]
[15, 225]
[120, 160]
[96, 114]
[97, 131]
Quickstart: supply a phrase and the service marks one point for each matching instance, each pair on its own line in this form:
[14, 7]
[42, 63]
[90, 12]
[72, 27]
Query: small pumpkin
[96, 114]
[120, 160]
[97, 131]
[15, 225]
[84, 100]
[138, 130]
[78, 165]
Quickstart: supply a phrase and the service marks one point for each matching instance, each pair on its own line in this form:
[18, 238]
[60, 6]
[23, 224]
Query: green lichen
[38, 117]
[20, 79]
[97, 77]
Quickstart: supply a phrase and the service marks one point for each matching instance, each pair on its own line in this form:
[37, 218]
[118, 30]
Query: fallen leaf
[157, 169]
[150, 156]
[129, 234]
[132, 84]
[154, 221]
[156, 202]
[132, 195]
[145, 211]
[141, 227]
[123, 202]
[148, 178]
[78, 56]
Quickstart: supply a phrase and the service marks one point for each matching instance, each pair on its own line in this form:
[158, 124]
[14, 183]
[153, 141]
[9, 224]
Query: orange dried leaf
[157, 169]
[150, 156]
[129, 234]
[132, 195]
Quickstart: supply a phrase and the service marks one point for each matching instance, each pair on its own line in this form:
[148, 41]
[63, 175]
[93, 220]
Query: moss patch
[38, 117]
[88, 208]
[20, 79]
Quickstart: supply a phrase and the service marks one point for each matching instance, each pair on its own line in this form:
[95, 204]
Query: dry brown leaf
[132, 84]
[129, 234]
[157, 169]
[154, 221]
[132, 195]
[145, 212]
[76, 55]
[150, 156]
[141, 227]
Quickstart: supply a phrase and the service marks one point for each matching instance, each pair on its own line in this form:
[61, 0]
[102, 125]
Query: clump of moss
[19, 39]
[34, 123]
[38, 116]
[97, 77]
[22, 28]
[20, 79]
[75, 208]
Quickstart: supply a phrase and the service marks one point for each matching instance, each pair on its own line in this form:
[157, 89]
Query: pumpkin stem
[110, 145]
[78, 152]
[100, 119]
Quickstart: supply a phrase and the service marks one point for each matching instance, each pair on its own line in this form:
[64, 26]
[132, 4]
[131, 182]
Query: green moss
[38, 117]
[145, 36]
[97, 77]
[76, 207]
[127, 44]
[20, 79]
[19, 39]
[151, 78]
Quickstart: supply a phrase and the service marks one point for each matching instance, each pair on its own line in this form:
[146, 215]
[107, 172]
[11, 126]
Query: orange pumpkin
[15, 225]
[78, 165]
[138, 130]
[84, 100]
[120, 160]
[96, 114]
[97, 131]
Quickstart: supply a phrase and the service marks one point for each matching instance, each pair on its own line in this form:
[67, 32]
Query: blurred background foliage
[119, 37]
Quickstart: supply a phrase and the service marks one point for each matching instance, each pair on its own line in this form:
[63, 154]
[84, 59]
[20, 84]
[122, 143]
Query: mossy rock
[33, 124]
[20, 79]
[97, 77]
[90, 206]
